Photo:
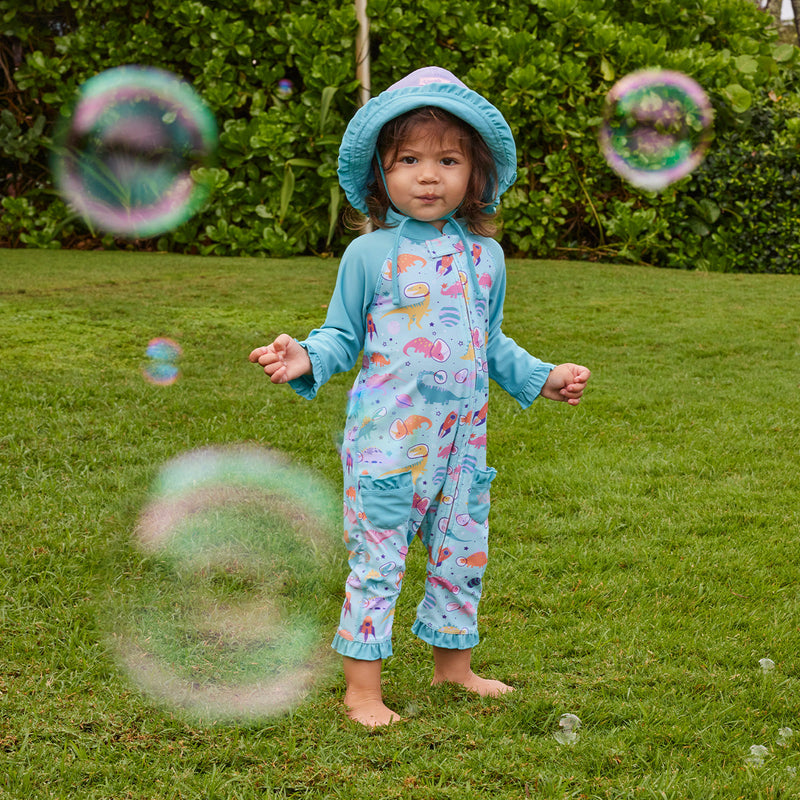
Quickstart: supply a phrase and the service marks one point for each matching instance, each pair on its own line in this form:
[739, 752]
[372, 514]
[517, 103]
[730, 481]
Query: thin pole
[362, 52]
[363, 65]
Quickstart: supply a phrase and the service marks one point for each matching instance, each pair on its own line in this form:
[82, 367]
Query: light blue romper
[414, 450]
[425, 310]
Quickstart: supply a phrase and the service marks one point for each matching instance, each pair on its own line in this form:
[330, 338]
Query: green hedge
[741, 213]
[547, 64]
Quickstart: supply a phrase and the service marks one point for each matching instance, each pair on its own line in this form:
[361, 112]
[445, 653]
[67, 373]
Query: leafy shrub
[741, 212]
[547, 64]
[274, 188]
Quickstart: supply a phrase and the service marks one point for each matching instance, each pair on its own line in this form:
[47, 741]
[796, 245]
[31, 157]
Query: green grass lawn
[644, 552]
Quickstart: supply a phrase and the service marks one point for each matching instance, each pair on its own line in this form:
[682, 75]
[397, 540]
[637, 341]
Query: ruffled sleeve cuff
[307, 386]
[530, 391]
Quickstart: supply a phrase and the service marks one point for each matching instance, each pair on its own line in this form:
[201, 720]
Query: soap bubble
[758, 754]
[126, 158]
[227, 620]
[657, 126]
[784, 737]
[285, 88]
[766, 664]
[567, 732]
[163, 355]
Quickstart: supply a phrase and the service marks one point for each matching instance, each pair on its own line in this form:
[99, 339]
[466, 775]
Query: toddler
[421, 298]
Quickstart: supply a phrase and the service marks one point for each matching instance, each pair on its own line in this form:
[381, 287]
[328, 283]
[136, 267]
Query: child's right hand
[283, 360]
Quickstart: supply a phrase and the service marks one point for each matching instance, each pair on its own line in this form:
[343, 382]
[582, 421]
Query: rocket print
[367, 628]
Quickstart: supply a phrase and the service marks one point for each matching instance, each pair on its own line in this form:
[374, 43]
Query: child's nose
[429, 174]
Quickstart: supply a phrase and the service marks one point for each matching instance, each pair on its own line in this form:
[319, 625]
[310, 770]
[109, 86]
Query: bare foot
[369, 711]
[453, 666]
[485, 687]
[363, 698]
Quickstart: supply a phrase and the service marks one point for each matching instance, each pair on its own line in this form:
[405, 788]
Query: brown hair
[483, 177]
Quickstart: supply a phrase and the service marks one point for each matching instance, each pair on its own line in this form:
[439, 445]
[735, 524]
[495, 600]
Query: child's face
[428, 178]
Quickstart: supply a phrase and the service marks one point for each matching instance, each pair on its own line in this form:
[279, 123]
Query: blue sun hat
[429, 86]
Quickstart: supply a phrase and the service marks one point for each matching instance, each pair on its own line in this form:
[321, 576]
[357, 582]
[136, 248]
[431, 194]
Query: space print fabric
[414, 450]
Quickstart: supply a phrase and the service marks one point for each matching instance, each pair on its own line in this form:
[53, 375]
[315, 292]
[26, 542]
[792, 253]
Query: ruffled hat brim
[429, 86]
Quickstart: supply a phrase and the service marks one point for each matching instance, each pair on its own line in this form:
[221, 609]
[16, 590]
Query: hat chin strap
[397, 300]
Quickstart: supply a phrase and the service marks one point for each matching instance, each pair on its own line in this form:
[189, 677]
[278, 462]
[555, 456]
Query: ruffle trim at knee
[363, 651]
[449, 641]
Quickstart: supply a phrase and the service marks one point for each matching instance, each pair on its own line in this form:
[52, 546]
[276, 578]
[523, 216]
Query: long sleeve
[511, 366]
[336, 345]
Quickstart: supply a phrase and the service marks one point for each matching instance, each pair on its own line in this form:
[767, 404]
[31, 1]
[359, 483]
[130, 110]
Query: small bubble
[285, 88]
[758, 754]
[161, 368]
[784, 735]
[567, 732]
[766, 664]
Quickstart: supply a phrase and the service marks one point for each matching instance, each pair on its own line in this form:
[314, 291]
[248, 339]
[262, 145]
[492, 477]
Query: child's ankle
[363, 697]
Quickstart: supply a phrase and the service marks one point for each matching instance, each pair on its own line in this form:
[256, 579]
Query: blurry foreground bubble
[227, 620]
[766, 664]
[127, 157]
[163, 355]
[567, 732]
[657, 126]
[758, 754]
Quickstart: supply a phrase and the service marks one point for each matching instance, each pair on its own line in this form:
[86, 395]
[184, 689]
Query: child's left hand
[566, 383]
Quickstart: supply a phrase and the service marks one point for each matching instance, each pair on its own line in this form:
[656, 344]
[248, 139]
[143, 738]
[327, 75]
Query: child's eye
[449, 162]
[407, 160]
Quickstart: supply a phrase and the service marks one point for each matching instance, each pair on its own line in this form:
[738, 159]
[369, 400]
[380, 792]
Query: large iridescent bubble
[657, 126]
[127, 156]
[227, 616]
